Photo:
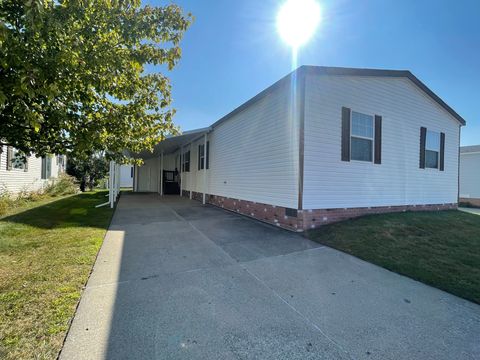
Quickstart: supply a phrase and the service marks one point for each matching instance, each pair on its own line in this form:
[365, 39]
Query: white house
[320, 145]
[470, 174]
[126, 176]
[17, 175]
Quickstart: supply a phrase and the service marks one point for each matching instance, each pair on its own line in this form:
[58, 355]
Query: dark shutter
[187, 161]
[207, 155]
[423, 138]
[199, 157]
[345, 134]
[442, 151]
[9, 157]
[44, 168]
[378, 139]
[25, 166]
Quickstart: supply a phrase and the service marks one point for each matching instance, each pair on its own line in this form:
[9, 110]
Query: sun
[297, 21]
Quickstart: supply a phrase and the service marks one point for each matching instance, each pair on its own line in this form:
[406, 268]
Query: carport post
[204, 168]
[135, 178]
[118, 180]
[110, 184]
[161, 174]
[181, 169]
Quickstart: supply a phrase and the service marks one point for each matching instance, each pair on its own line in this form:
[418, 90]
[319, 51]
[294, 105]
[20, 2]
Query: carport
[163, 169]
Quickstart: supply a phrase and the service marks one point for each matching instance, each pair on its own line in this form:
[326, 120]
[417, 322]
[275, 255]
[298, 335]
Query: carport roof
[173, 143]
[470, 149]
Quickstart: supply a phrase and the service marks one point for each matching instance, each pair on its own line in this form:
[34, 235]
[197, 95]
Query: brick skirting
[304, 219]
[315, 218]
[471, 201]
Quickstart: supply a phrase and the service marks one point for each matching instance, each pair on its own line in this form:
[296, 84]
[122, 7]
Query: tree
[73, 79]
[89, 171]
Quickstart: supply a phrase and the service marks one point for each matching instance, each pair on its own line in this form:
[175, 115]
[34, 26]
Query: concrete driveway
[178, 280]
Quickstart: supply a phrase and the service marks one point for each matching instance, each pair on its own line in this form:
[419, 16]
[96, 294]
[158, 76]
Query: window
[201, 156]
[361, 138]
[186, 162]
[61, 163]
[46, 167]
[432, 149]
[19, 160]
[131, 172]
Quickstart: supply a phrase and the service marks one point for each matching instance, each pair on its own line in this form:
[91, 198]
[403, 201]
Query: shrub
[64, 185]
[6, 201]
[26, 195]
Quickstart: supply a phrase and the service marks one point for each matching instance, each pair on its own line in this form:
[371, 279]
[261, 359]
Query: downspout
[301, 137]
[161, 174]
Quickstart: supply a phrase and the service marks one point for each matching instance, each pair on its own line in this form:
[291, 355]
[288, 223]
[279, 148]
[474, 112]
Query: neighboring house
[470, 174]
[126, 176]
[321, 145]
[18, 175]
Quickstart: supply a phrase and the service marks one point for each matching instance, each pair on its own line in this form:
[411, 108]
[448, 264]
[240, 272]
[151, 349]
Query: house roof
[386, 73]
[170, 144]
[470, 149]
[329, 70]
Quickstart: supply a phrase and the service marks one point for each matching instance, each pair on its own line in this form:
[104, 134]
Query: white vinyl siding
[126, 178]
[331, 183]
[470, 175]
[148, 179]
[254, 154]
[148, 174]
[17, 180]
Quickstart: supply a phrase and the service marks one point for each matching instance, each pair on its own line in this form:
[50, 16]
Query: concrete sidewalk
[178, 280]
[474, 211]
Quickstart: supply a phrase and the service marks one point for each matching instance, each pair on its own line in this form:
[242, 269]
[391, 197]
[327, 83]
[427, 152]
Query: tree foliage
[73, 79]
[88, 171]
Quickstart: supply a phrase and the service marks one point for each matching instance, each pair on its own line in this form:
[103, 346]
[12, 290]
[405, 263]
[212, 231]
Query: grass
[441, 248]
[47, 250]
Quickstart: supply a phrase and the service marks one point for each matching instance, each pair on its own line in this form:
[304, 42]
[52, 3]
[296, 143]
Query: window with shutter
[186, 162]
[361, 138]
[202, 157]
[16, 160]
[432, 150]
[46, 172]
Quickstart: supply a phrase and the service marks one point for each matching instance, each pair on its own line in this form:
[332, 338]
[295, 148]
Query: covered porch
[171, 169]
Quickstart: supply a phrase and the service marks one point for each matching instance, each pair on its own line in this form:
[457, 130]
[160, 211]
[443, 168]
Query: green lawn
[47, 250]
[441, 248]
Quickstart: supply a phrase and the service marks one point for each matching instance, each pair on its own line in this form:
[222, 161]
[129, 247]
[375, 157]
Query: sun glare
[297, 21]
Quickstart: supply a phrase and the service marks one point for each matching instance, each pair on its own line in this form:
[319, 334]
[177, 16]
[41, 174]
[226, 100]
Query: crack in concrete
[261, 282]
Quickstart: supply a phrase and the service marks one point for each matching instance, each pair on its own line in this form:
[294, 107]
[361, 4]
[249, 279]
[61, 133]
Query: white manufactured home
[31, 174]
[126, 176]
[470, 174]
[320, 145]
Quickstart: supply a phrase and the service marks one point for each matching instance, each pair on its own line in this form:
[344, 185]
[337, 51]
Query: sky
[233, 51]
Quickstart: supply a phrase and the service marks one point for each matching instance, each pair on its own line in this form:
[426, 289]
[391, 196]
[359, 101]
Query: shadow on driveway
[178, 280]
